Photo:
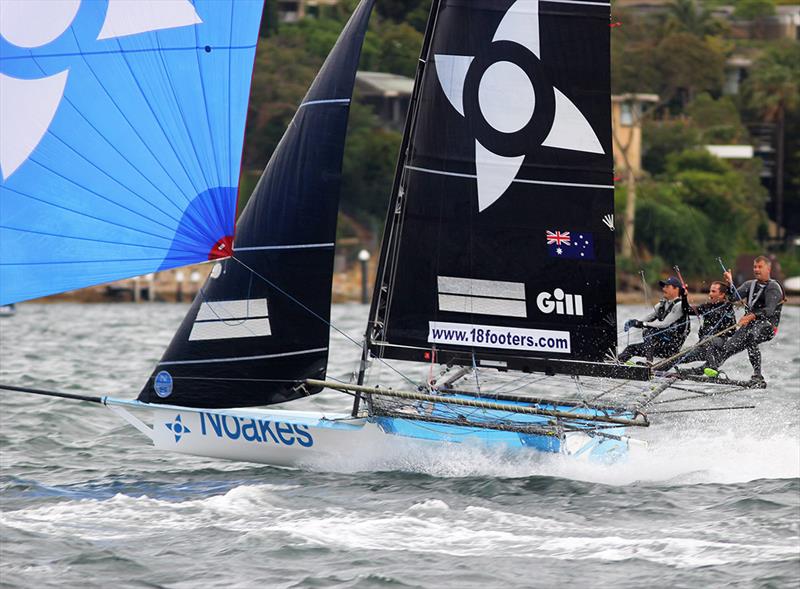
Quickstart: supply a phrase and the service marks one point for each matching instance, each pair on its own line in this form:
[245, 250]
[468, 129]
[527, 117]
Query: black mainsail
[499, 243]
[259, 325]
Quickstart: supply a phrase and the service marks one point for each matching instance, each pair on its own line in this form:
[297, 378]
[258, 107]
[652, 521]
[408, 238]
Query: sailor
[718, 319]
[764, 299]
[666, 328]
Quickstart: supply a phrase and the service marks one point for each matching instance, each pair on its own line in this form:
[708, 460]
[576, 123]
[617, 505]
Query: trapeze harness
[753, 297]
[677, 330]
[716, 317]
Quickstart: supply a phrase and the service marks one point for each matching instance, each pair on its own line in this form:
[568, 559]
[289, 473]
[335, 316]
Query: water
[714, 501]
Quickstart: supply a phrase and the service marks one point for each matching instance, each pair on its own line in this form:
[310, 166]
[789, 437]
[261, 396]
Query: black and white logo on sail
[231, 319]
[507, 95]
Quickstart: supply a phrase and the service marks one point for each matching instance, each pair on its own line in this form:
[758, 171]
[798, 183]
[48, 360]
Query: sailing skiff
[123, 129]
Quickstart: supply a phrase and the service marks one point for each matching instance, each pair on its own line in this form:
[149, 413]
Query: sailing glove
[632, 323]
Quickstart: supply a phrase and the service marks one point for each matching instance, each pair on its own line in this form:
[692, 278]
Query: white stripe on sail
[326, 101]
[579, 2]
[242, 358]
[485, 297]
[483, 288]
[206, 330]
[521, 180]
[283, 247]
[225, 310]
[481, 306]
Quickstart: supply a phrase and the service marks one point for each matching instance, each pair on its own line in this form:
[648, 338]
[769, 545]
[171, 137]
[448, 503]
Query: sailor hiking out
[718, 319]
[666, 328]
[764, 298]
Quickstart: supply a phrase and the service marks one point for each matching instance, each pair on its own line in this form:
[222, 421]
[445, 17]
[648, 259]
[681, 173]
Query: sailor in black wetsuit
[718, 316]
[666, 328]
[764, 299]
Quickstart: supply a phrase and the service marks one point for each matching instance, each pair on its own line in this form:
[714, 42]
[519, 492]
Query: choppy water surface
[713, 501]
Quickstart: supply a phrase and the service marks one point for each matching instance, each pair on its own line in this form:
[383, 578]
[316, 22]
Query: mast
[393, 214]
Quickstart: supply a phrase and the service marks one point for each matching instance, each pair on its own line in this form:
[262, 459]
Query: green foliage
[399, 49]
[753, 9]
[672, 229]
[791, 205]
[284, 69]
[633, 68]
[653, 268]
[790, 264]
[690, 16]
[287, 60]
[697, 160]
[701, 208]
[773, 86]
[718, 120]
[369, 163]
[411, 12]
[270, 21]
[663, 138]
[688, 65]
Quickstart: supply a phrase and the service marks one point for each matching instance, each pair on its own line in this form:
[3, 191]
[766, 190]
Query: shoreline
[95, 296]
[182, 285]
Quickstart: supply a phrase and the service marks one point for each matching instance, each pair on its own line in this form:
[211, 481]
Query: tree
[400, 45]
[661, 138]
[733, 204]
[718, 120]
[690, 17]
[702, 207]
[753, 9]
[774, 89]
[689, 65]
[633, 67]
[368, 168]
[283, 72]
[671, 229]
[411, 12]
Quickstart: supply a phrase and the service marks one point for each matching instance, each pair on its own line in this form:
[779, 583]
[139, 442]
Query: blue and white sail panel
[260, 325]
[123, 125]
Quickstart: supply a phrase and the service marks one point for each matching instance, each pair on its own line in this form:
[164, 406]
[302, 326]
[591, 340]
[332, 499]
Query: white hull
[309, 439]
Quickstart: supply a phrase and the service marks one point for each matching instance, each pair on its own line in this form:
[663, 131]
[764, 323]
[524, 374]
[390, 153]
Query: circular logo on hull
[163, 384]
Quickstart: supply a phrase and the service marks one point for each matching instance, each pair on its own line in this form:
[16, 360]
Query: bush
[718, 120]
[661, 139]
[673, 229]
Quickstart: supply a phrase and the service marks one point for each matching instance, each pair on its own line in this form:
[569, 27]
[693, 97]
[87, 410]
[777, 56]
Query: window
[626, 114]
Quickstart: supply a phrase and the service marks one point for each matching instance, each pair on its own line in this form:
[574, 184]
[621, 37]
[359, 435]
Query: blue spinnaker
[121, 130]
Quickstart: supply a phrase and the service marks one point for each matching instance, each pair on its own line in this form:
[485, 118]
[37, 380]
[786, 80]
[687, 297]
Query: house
[294, 10]
[388, 94]
[626, 122]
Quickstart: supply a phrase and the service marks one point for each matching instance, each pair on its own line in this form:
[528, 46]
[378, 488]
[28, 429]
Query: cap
[672, 281]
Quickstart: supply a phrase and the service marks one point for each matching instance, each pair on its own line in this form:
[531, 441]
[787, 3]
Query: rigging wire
[318, 316]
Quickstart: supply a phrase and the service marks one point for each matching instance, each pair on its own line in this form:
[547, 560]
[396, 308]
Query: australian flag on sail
[573, 245]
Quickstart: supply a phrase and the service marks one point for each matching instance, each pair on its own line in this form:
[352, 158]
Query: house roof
[383, 84]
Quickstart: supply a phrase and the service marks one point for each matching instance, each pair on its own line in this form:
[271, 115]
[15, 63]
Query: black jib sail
[260, 323]
[499, 242]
